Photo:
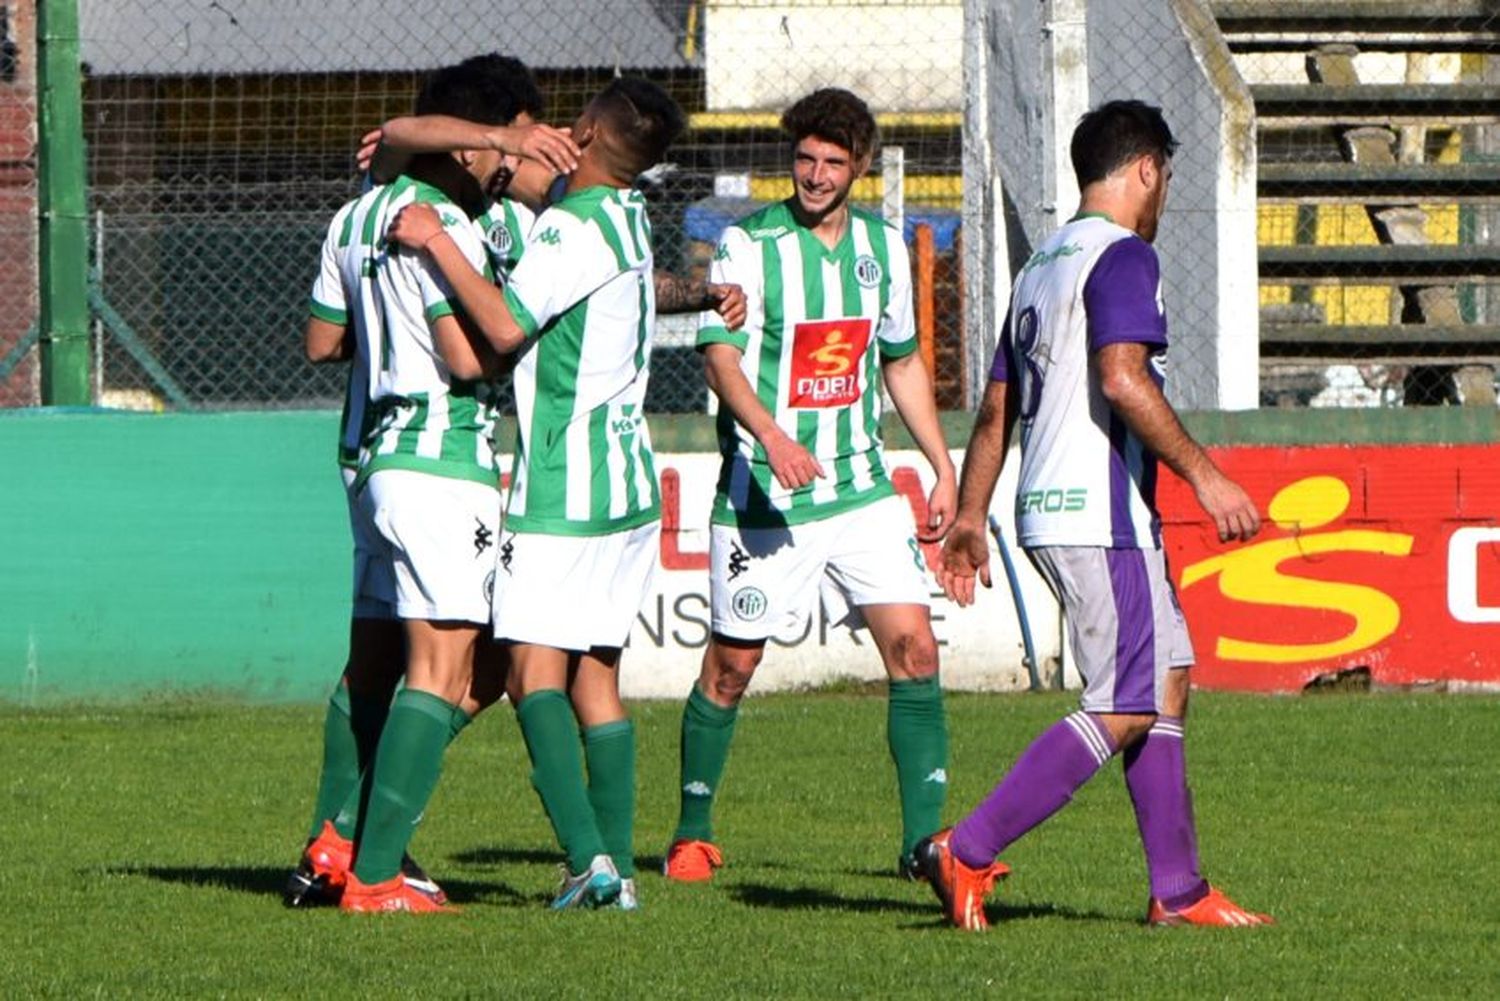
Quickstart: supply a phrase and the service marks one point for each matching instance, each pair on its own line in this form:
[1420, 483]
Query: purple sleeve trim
[1121, 296]
[1000, 366]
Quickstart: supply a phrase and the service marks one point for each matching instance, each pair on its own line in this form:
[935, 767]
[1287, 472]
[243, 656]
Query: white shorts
[573, 592]
[370, 560]
[1124, 623]
[438, 535]
[762, 580]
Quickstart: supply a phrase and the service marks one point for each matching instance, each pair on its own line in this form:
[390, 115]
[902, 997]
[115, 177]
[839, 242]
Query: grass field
[146, 846]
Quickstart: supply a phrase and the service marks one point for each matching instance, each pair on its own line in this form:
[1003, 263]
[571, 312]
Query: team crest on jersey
[867, 271]
[825, 362]
[500, 238]
[749, 603]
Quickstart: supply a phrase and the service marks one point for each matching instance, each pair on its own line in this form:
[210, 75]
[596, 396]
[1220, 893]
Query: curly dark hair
[833, 115]
[491, 89]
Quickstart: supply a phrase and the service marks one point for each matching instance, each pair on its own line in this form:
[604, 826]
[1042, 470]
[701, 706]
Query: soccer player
[358, 707]
[427, 487]
[804, 500]
[1081, 364]
[582, 526]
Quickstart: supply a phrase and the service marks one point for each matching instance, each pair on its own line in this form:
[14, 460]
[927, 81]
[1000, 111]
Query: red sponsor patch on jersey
[825, 362]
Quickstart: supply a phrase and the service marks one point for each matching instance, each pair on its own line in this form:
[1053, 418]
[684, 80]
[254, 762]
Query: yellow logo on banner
[1253, 575]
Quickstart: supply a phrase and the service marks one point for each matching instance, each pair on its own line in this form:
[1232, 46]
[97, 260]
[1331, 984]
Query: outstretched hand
[414, 226]
[966, 555]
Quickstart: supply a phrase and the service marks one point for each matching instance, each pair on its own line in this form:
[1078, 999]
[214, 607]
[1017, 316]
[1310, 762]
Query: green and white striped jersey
[505, 225]
[819, 323]
[583, 294]
[419, 417]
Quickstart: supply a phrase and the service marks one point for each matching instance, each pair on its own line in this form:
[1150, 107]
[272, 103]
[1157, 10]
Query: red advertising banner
[1377, 557]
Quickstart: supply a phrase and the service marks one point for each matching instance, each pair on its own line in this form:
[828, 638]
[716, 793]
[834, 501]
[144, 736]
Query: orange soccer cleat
[320, 873]
[691, 861]
[961, 889]
[1214, 911]
[394, 894]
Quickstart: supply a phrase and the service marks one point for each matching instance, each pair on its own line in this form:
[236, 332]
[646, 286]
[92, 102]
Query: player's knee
[728, 670]
[913, 656]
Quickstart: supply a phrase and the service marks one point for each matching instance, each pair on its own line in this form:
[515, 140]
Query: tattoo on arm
[675, 294]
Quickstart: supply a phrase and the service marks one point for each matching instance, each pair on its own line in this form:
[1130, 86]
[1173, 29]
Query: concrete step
[1378, 183]
[1282, 105]
[1387, 264]
[1373, 25]
[1412, 344]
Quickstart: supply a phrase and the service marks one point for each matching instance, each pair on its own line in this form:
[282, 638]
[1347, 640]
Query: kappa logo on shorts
[749, 603]
[739, 560]
[867, 271]
[507, 551]
[482, 537]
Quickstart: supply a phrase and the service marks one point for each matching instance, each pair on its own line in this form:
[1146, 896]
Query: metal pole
[63, 251]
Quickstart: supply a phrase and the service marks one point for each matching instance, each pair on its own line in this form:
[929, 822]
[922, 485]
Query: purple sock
[1156, 773]
[1042, 782]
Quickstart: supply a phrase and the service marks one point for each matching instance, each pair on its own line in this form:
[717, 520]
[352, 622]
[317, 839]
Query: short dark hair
[833, 115]
[1115, 133]
[490, 89]
[641, 117]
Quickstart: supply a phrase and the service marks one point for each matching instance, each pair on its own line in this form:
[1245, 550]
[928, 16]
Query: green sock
[609, 749]
[917, 729]
[551, 734]
[406, 769]
[352, 807]
[707, 730]
[351, 729]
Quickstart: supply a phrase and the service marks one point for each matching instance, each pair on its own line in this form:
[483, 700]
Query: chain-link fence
[220, 136]
[18, 234]
[1344, 151]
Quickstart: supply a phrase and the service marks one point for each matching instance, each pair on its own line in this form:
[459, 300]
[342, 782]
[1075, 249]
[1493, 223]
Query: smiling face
[823, 174]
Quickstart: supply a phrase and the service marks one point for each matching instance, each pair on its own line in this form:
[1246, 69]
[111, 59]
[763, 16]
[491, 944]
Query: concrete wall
[189, 552]
[1167, 54]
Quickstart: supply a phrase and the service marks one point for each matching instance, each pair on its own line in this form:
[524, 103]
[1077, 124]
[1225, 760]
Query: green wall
[210, 551]
[181, 551]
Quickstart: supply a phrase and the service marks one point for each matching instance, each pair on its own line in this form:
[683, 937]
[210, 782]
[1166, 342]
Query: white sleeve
[736, 262]
[329, 301]
[566, 260]
[897, 331]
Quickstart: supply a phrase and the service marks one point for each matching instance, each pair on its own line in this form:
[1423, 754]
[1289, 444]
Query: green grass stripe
[1375, 854]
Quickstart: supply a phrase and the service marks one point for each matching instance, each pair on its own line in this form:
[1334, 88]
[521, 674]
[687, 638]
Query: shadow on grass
[816, 898]
[802, 898]
[537, 856]
[269, 882]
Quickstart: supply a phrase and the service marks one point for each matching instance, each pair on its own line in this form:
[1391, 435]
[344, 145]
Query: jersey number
[1027, 334]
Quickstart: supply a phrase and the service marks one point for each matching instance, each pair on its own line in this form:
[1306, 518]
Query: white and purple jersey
[1086, 480]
